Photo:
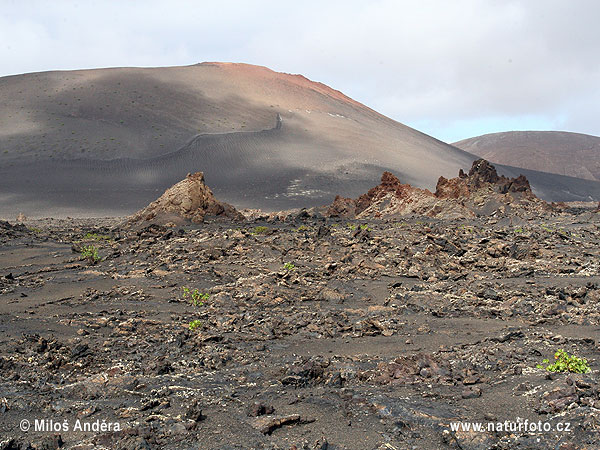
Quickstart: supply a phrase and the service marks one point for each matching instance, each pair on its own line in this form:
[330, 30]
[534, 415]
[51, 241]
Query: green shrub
[289, 266]
[565, 363]
[194, 325]
[259, 230]
[90, 252]
[195, 297]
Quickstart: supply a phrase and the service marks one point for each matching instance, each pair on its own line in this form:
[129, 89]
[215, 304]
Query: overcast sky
[452, 69]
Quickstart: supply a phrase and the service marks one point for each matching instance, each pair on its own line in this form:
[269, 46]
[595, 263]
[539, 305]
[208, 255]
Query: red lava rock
[342, 207]
[482, 173]
[481, 191]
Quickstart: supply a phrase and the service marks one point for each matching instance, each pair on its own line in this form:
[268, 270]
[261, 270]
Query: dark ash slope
[107, 142]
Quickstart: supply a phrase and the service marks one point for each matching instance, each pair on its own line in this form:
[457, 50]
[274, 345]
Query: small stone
[260, 409]
[473, 392]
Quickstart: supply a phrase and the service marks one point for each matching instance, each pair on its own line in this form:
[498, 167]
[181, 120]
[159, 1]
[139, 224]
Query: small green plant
[565, 363]
[302, 228]
[194, 325]
[90, 252]
[351, 226]
[259, 230]
[195, 297]
[365, 227]
[289, 266]
[518, 230]
[34, 229]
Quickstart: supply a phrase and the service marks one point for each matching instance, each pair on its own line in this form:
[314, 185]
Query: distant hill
[573, 154]
[109, 141]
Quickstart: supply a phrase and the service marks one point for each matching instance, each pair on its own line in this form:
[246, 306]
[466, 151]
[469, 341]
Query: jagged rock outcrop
[341, 207]
[392, 197]
[390, 184]
[482, 175]
[190, 200]
[480, 192]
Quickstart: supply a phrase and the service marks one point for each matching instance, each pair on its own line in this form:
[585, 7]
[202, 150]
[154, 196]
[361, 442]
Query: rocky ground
[311, 333]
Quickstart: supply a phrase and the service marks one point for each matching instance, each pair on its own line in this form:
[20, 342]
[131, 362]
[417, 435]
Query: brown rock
[188, 200]
[267, 424]
[473, 392]
[390, 184]
[482, 174]
[480, 192]
[342, 207]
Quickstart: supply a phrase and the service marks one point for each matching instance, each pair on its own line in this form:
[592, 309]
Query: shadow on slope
[243, 168]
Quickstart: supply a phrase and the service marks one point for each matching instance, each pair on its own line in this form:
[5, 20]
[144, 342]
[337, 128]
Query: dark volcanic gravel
[308, 335]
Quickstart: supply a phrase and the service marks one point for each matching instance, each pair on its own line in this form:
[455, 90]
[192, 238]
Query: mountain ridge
[73, 141]
[561, 152]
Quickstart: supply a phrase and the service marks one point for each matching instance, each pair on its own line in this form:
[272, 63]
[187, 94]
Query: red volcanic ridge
[480, 192]
[250, 70]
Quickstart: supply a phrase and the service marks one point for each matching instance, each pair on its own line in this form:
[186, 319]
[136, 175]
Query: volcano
[106, 142]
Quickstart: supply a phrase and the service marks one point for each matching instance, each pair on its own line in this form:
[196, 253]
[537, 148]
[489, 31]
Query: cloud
[433, 64]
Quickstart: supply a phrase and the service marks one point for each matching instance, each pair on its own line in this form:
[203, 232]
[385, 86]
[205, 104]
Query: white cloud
[441, 65]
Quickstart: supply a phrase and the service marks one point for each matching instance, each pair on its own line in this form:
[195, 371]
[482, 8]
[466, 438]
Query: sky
[452, 70]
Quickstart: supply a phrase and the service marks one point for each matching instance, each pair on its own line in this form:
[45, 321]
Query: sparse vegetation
[195, 297]
[560, 231]
[353, 226]
[289, 266]
[90, 252]
[466, 228]
[194, 325]
[259, 230]
[565, 363]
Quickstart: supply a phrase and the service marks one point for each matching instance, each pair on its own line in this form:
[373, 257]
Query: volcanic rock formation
[482, 175]
[189, 200]
[480, 192]
[264, 140]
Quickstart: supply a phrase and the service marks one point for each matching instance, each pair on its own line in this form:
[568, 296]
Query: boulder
[190, 200]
